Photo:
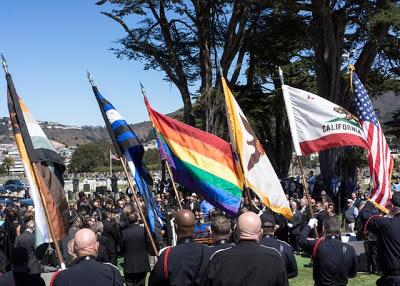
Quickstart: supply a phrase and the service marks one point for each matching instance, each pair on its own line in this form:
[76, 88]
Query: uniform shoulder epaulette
[271, 248]
[108, 263]
[220, 250]
[284, 242]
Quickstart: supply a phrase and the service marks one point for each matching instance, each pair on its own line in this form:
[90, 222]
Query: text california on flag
[36, 150]
[258, 172]
[317, 124]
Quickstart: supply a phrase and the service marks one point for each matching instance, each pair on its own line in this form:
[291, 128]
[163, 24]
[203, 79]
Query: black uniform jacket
[184, 261]
[387, 231]
[286, 253]
[134, 249]
[220, 244]
[332, 263]
[87, 271]
[247, 263]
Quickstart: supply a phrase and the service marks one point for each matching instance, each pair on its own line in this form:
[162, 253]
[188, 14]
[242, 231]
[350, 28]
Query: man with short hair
[333, 261]
[27, 241]
[87, 271]
[283, 248]
[220, 231]
[135, 250]
[182, 264]
[247, 263]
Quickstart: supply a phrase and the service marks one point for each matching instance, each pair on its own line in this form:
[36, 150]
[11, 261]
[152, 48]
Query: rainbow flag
[203, 162]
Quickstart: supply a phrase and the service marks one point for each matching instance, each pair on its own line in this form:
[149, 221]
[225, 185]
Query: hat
[194, 195]
[350, 201]
[267, 220]
[396, 199]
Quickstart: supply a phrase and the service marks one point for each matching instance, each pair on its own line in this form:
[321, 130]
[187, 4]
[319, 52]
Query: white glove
[313, 223]
[290, 225]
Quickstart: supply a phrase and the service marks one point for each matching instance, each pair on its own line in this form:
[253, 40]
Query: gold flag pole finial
[4, 63]
[351, 69]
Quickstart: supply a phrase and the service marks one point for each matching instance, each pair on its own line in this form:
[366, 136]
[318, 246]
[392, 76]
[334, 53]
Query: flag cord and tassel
[173, 183]
[146, 226]
[46, 212]
[306, 192]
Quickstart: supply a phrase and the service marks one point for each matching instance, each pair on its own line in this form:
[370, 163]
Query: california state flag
[317, 124]
[256, 168]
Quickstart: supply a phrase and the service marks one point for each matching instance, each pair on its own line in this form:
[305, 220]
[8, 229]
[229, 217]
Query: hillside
[75, 136]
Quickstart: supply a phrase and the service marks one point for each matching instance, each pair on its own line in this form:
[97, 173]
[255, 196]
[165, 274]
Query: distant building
[11, 151]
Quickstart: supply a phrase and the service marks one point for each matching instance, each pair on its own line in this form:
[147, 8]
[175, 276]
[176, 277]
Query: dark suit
[135, 250]
[295, 229]
[27, 241]
[111, 233]
[193, 206]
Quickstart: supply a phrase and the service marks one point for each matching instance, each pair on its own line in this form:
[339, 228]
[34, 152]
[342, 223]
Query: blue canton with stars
[364, 105]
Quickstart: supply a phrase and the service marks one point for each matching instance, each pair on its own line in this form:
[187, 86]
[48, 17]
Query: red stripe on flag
[331, 141]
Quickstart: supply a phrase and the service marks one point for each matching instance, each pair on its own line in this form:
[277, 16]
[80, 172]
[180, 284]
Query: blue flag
[127, 144]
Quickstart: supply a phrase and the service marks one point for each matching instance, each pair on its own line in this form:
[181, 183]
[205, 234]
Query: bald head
[249, 226]
[185, 222]
[85, 243]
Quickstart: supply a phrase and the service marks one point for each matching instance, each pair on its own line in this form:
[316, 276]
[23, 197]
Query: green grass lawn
[305, 276]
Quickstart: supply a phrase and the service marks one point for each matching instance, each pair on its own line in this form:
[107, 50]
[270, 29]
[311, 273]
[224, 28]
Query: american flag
[379, 159]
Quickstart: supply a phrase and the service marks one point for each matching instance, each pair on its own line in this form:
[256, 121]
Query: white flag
[317, 124]
[257, 170]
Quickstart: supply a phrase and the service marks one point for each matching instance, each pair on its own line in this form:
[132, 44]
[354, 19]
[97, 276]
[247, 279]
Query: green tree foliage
[8, 163]
[90, 157]
[308, 38]
[152, 157]
[394, 124]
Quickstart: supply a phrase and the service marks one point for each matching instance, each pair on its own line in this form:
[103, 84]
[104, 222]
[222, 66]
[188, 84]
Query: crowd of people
[257, 247]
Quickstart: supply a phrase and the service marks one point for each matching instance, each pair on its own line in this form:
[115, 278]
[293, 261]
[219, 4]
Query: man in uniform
[387, 230]
[247, 263]
[333, 261]
[220, 231]
[181, 265]
[284, 249]
[87, 271]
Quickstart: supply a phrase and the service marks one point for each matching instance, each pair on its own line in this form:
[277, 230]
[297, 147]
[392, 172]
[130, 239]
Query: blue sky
[49, 45]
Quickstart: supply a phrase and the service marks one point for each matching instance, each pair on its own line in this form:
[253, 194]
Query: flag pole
[46, 212]
[171, 176]
[130, 183]
[305, 184]
[146, 226]
[173, 183]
